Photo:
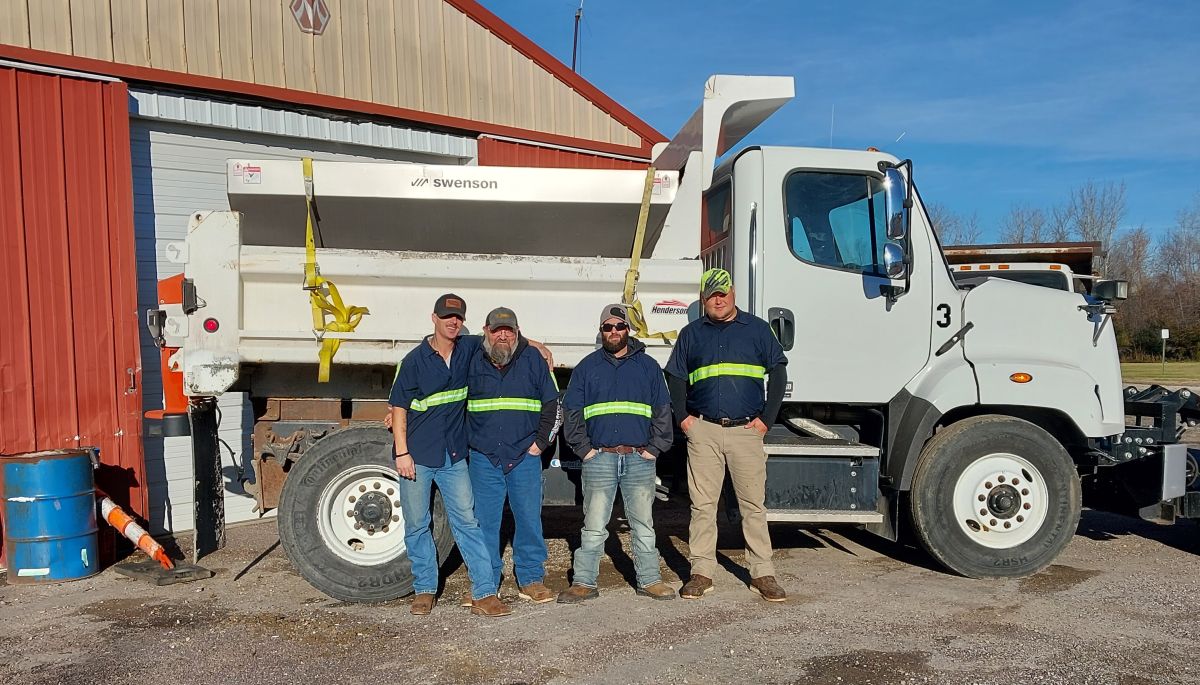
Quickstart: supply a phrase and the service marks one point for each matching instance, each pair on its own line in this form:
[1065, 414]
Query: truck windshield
[836, 220]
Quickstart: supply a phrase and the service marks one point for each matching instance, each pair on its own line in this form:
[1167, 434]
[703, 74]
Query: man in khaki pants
[716, 377]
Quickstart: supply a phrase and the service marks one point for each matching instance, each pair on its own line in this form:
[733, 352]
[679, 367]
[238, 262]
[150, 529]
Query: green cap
[715, 281]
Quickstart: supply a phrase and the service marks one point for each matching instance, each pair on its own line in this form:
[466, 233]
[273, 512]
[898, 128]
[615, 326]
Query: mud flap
[209, 486]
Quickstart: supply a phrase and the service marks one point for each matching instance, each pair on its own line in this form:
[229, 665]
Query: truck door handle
[784, 326]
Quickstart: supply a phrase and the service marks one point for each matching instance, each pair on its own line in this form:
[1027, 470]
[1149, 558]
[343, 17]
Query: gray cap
[501, 317]
[614, 311]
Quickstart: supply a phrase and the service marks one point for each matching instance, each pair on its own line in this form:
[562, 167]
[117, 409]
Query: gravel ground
[1118, 607]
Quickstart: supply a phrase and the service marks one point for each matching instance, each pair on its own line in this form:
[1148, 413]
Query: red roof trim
[533, 51]
[131, 72]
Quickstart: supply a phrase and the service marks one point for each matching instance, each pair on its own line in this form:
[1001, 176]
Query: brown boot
[422, 604]
[577, 593]
[467, 602]
[537, 593]
[768, 588]
[490, 606]
[696, 587]
[659, 590]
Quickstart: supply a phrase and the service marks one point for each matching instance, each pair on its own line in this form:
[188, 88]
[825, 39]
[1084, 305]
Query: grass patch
[1176, 373]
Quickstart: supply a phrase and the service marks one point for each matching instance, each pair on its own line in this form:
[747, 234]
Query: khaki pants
[712, 449]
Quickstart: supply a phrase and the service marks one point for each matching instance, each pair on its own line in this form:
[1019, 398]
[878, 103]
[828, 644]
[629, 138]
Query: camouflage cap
[715, 281]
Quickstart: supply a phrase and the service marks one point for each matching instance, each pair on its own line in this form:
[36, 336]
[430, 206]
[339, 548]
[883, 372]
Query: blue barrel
[49, 516]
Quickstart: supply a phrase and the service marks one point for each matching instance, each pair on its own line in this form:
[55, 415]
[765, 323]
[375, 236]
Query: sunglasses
[610, 327]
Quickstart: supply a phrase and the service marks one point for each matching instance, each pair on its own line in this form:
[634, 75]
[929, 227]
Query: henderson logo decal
[454, 183]
[669, 307]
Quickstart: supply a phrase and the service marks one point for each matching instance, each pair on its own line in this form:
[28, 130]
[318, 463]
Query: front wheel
[994, 497]
[340, 521]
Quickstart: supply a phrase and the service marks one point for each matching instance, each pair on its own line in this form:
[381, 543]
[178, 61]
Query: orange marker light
[964, 268]
[1020, 377]
[1056, 267]
[1002, 267]
[984, 267]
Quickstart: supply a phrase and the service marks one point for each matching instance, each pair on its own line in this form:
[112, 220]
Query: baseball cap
[715, 281]
[450, 305]
[614, 311]
[501, 317]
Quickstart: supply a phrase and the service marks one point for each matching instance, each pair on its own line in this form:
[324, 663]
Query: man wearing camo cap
[716, 375]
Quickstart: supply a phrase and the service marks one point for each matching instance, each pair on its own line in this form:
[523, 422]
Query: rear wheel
[340, 520]
[994, 497]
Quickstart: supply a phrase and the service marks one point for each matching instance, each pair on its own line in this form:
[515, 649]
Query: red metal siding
[66, 249]
[493, 152]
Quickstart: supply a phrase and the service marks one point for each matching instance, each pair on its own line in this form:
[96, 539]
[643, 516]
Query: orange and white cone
[125, 523]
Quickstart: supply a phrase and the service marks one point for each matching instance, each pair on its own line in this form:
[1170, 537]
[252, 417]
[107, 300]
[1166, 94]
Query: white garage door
[180, 146]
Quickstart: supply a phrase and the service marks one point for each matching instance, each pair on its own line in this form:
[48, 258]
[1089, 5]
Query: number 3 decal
[944, 310]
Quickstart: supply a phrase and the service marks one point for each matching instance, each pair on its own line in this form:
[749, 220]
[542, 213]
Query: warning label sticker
[252, 174]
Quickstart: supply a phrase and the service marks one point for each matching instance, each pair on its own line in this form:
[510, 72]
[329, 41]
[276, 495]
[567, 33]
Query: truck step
[800, 446]
[823, 516]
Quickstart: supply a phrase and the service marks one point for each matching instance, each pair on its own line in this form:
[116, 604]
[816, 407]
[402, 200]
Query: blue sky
[999, 103]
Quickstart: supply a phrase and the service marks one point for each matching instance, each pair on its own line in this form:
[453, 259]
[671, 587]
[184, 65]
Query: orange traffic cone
[125, 523]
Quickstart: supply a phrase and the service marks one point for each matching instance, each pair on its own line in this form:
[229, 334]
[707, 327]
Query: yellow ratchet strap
[329, 313]
[637, 319]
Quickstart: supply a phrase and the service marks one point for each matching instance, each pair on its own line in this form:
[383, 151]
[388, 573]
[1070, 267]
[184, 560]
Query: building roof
[449, 64]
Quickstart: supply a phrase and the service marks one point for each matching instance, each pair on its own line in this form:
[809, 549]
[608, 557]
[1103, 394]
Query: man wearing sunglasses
[618, 419]
[429, 428]
[512, 415]
[716, 375]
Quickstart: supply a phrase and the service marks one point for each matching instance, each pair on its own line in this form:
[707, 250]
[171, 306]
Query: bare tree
[1061, 226]
[1092, 212]
[1129, 257]
[1095, 210]
[1024, 224]
[953, 228]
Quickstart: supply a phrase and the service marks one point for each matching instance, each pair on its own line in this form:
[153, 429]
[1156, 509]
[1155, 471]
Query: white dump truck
[975, 419]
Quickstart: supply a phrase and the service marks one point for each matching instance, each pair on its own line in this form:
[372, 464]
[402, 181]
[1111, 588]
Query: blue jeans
[415, 497]
[523, 488]
[602, 474]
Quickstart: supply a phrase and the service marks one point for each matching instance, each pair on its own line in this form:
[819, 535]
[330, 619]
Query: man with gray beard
[512, 415]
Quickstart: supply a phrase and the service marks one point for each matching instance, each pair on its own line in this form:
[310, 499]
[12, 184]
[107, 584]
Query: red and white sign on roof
[311, 15]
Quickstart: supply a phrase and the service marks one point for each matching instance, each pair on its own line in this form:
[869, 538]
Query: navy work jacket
[618, 398]
[434, 393]
[504, 408]
[725, 365]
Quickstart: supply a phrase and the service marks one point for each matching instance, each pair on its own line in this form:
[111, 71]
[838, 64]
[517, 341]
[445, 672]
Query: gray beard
[499, 355]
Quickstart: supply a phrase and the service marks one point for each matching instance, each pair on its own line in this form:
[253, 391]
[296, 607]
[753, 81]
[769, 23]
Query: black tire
[299, 511]
[931, 501]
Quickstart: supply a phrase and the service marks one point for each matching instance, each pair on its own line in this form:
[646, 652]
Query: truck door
[820, 243]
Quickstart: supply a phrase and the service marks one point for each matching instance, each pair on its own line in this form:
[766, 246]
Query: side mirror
[893, 261]
[896, 203]
[1111, 291]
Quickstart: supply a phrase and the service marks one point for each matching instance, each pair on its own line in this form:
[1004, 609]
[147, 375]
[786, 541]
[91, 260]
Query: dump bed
[393, 237]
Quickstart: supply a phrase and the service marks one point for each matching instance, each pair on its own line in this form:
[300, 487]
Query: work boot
[467, 602]
[490, 606]
[696, 587]
[577, 593]
[659, 590]
[768, 588]
[423, 603]
[537, 593]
